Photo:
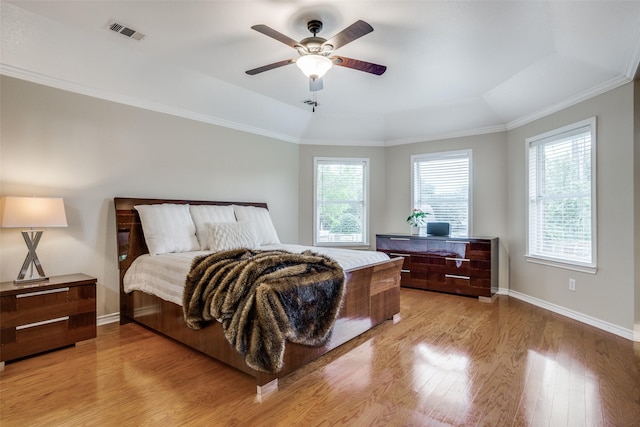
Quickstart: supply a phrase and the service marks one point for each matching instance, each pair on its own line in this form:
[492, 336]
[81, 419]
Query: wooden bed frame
[373, 296]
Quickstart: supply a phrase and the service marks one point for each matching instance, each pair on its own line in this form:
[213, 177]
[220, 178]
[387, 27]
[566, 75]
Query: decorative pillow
[168, 228]
[231, 235]
[261, 220]
[203, 214]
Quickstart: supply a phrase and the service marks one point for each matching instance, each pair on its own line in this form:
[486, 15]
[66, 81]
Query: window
[440, 186]
[561, 197]
[341, 198]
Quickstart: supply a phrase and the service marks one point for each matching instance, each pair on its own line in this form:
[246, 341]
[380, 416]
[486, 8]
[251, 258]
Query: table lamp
[32, 212]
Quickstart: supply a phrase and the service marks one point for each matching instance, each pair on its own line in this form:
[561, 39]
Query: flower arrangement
[418, 218]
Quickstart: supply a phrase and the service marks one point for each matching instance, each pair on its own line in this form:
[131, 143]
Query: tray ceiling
[454, 68]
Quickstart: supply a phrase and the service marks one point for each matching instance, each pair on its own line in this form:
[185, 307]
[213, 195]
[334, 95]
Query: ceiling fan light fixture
[314, 66]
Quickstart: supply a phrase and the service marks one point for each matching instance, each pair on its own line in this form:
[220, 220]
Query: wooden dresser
[466, 266]
[41, 316]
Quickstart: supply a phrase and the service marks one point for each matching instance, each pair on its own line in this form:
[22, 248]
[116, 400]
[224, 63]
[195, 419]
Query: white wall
[489, 191]
[88, 151]
[608, 295]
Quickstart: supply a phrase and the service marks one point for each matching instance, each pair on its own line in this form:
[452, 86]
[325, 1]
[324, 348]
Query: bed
[371, 297]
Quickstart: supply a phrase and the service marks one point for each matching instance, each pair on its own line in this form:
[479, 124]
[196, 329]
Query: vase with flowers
[417, 219]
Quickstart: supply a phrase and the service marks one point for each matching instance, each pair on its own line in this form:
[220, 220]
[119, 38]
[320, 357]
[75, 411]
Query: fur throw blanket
[263, 298]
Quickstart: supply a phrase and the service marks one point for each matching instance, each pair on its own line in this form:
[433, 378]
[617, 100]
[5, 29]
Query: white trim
[449, 135]
[108, 318]
[576, 99]
[636, 332]
[343, 143]
[138, 102]
[55, 82]
[366, 178]
[580, 317]
[634, 60]
[560, 264]
[549, 137]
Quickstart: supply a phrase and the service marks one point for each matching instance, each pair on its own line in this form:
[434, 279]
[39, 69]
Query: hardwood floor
[450, 360]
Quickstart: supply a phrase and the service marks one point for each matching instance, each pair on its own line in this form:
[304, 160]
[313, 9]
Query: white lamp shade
[21, 212]
[314, 66]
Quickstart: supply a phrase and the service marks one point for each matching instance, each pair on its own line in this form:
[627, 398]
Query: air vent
[125, 31]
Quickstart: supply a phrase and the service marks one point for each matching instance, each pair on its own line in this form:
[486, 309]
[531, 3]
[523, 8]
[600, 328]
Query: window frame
[551, 137]
[365, 203]
[442, 155]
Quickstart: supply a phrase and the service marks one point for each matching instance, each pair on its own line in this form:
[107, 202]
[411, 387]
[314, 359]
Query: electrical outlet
[572, 284]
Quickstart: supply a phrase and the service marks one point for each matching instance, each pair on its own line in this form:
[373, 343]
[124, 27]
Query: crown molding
[576, 99]
[634, 61]
[438, 137]
[338, 142]
[106, 95]
[81, 89]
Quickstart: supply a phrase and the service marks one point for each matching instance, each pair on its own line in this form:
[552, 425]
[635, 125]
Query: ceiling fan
[316, 53]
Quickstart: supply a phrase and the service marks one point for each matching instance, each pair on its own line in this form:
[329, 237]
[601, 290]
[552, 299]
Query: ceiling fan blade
[356, 64]
[268, 31]
[315, 85]
[270, 67]
[349, 34]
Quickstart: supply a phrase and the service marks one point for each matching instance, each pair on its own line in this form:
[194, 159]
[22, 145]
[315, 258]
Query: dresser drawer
[401, 245]
[454, 265]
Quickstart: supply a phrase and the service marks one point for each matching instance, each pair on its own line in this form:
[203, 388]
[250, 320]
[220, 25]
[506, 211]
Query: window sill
[564, 265]
[345, 245]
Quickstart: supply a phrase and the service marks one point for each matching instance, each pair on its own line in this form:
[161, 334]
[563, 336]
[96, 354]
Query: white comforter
[164, 275]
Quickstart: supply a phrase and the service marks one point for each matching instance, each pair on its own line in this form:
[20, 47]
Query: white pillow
[261, 220]
[203, 214]
[168, 228]
[231, 235]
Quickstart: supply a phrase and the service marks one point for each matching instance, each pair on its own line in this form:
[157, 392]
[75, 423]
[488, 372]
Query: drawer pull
[44, 322]
[49, 291]
[397, 254]
[405, 271]
[457, 241]
[457, 259]
[455, 276]
[399, 238]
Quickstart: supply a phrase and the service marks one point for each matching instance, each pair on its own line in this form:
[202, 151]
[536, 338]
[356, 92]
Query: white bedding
[164, 275]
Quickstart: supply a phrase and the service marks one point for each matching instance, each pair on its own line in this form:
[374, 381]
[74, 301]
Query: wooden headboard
[131, 243]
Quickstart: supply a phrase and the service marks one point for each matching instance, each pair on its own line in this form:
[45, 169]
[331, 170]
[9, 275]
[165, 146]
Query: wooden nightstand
[37, 317]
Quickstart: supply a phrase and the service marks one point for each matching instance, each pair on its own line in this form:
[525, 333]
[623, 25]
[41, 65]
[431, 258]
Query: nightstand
[37, 317]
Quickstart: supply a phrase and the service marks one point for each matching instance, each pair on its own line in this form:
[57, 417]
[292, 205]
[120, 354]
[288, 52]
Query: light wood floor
[450, 360]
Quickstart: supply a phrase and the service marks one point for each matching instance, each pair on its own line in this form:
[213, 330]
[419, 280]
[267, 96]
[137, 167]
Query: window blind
[561, 196]
[441, 188]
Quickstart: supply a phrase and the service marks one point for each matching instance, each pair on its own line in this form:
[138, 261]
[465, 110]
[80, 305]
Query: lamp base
[31, 280]
[31, 238]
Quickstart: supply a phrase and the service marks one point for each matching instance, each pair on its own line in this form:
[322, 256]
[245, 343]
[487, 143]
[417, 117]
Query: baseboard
[600, 324]
[108, 318]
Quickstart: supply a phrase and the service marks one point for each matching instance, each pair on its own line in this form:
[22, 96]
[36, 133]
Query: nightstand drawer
[50, 334]
[33, 307]
[46, 315]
